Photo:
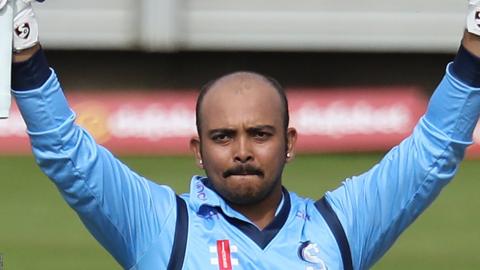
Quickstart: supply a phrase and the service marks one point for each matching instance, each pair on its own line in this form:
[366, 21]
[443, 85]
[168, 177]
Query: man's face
[243, 145]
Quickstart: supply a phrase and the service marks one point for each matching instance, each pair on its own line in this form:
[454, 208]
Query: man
[240, 216]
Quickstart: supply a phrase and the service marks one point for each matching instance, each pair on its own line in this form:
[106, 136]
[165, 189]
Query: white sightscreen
[313, 25]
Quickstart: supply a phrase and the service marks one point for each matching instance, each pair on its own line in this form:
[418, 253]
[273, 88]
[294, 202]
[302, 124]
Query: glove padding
[473, 17]
[25, 26]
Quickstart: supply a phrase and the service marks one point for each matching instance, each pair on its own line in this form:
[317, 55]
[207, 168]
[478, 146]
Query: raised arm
[375, 207]
[124, 211]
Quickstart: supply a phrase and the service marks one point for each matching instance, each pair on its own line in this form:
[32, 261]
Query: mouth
[243, 177]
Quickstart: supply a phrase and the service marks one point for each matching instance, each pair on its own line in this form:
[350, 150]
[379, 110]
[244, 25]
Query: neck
[262, 213]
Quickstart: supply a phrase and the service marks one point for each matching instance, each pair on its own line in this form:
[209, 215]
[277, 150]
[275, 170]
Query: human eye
[261, 135]
[221, 137]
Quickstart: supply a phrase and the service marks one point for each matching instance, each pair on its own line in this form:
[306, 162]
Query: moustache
[243, 170]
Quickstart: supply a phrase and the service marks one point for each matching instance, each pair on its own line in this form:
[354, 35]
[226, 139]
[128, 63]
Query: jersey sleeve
[375, 207]
[123, 210]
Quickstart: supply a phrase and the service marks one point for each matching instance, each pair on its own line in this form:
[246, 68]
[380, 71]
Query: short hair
[273, 82]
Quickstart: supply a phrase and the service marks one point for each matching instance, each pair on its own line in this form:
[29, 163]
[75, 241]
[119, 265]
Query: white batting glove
[473, 17]
[25, 26]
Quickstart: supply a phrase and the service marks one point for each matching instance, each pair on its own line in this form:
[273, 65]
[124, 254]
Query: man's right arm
[123, 211]
[377, 206]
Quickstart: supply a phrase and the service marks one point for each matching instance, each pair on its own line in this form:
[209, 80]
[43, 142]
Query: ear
[195, 148]
[291, 141]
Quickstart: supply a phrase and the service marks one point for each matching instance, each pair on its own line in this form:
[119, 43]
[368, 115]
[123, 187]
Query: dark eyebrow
[262, 128]
[227, 131]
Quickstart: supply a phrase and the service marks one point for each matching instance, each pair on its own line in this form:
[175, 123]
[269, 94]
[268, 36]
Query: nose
[243, 151]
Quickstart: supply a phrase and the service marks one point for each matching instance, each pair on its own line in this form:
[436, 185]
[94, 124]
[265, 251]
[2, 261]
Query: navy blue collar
[262, 237]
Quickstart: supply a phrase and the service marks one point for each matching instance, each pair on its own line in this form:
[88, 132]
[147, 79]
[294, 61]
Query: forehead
[242, 100]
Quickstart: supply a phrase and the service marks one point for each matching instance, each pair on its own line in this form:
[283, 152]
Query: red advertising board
[330, 120]
[354, 119]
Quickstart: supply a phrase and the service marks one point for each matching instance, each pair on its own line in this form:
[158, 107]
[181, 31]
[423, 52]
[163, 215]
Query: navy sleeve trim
[180, 239]
[31, 74]
[336, 227]
[466, 67]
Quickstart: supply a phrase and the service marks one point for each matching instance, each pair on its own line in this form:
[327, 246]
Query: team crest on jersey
[224, 255]
[309, 253]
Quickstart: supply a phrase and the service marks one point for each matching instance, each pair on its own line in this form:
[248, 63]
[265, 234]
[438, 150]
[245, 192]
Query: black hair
[273, 82]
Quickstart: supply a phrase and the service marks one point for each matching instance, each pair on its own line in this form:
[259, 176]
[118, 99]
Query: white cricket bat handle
[6, 28]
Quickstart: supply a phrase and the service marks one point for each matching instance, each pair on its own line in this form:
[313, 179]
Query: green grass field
[39, 231]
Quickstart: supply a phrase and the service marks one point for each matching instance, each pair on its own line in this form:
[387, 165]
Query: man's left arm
[375, 207]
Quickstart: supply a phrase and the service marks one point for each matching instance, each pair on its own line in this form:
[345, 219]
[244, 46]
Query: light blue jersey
[135, 219]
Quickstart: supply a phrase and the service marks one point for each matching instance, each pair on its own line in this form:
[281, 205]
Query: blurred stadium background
[152, 47]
